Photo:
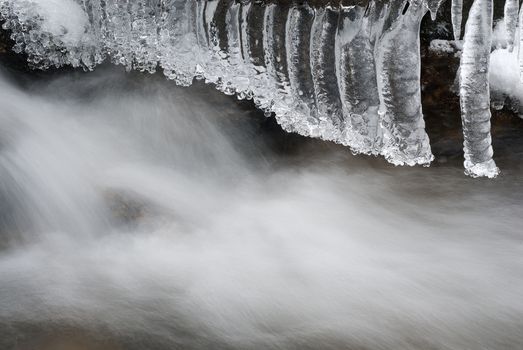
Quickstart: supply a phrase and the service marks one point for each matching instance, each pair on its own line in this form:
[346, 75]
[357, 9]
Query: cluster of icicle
[348, 73]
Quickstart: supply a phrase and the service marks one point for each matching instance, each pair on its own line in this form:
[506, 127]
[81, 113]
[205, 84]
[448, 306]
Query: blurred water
[138, 215]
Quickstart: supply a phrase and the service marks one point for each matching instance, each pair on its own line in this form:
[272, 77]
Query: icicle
[323, 61]
[201, 33]
[398, 64]
[236, 74]
[357, 80]
[433, 6]
[245, 8]
[520, 46]
[220, 26]
[202, 39]
[239, 72]
[277, 68]
[178, 41]
[254, 41]
[456, 17]
[210, 10]
[474, 91]
[121, 26]
[299, 25]
[511, 21]
[95, 55]
[143, 41]
[218, 41]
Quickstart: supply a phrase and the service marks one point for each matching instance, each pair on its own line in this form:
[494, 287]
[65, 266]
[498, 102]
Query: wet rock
[125, 208]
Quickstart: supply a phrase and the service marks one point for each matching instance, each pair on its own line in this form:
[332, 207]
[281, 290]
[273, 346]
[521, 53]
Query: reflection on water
[138, 215]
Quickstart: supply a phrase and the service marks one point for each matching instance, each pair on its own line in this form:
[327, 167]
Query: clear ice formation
[456, 11]
[520, 44]
[475, 91]
[356, 77]
[348, 73]
[398, 64]
[511, 20]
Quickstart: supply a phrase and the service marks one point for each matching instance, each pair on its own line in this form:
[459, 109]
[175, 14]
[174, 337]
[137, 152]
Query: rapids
[135, 214]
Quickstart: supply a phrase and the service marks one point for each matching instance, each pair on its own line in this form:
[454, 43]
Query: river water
[135, 214]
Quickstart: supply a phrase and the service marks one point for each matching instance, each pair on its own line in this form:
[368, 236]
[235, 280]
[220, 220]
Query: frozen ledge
[347, 72]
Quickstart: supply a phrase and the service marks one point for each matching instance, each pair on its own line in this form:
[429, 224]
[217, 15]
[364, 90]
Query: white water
[229, 243]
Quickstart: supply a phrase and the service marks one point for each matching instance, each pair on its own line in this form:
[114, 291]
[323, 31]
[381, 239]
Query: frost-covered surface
[348, 74]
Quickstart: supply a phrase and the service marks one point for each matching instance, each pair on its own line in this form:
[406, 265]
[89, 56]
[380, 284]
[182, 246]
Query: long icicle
[357, 79]
[520, 46]
[299, 27]
[398, 63]
[255, 47]
[276, 62]
[456, 17]
[323, 63]
[475, 91]
[511, 21]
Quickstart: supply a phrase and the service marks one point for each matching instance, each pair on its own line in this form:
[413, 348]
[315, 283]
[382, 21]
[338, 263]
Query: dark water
[138, 215]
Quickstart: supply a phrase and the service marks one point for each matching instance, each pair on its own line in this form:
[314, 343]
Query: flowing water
[135, 214]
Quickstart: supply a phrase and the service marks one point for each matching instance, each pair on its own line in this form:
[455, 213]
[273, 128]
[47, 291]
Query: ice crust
[348, 74]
